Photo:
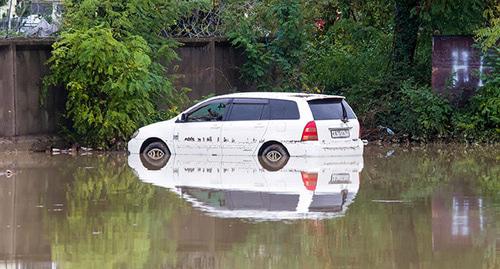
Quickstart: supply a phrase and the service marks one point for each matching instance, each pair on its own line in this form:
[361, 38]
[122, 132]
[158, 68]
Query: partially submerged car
[239, 187]
[272, 125]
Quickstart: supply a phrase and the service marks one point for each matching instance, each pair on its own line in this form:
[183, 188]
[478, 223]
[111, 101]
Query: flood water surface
[394, 207]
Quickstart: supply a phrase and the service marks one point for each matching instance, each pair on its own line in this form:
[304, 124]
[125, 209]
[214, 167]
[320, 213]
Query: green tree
[107, 58]
[406, 26]
[273, 36]
[480, 119]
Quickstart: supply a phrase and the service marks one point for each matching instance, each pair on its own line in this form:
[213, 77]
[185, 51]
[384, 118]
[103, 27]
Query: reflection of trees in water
[417, 173]
[392, 235]
[371, 235]
[113, 220]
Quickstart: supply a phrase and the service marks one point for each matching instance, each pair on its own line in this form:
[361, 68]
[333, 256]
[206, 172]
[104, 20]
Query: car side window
[281, 110]
[242, 112]
[214, 111]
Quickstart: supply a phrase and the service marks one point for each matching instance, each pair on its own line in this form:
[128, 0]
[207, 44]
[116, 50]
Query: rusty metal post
[9, 17]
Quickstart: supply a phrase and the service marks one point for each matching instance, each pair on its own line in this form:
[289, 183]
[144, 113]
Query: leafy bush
[273, 36]
[348, 54]
[421, 113]
[372, 100]
[109, 83]
[345, 47]
[480, 120]
[107, 57]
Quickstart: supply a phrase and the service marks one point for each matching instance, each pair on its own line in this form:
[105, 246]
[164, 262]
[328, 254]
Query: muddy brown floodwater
[428, 207]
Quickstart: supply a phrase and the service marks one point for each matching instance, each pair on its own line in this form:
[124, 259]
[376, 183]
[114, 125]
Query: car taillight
[310, 132]
[310, 180]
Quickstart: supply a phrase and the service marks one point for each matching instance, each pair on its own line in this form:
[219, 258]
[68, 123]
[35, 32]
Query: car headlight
[135, 134]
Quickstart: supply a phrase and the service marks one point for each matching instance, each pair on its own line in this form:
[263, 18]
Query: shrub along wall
[207, 66]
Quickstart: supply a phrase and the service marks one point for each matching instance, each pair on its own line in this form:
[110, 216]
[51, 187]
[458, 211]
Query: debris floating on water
[386, 129]
[8, 173]
[73, 150]
[391, 201]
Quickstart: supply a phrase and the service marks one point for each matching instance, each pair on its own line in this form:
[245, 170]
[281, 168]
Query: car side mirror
[183, 117]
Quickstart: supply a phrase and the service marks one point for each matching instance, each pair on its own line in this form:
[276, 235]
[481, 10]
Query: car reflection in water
[240, 187]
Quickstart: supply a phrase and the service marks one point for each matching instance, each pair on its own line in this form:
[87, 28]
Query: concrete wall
[22, 67]
[207, 66]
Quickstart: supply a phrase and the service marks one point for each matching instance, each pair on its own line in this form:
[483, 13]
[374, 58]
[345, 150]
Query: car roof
[279, 95]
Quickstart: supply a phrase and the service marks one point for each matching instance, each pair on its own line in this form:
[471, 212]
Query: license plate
[340, 133]
[340, 179]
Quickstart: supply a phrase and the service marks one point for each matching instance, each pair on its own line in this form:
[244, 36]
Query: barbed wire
[200, 24]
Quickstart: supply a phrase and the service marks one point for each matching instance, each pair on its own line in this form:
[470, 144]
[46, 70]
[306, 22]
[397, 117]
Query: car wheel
[274, 157]
[155, 156]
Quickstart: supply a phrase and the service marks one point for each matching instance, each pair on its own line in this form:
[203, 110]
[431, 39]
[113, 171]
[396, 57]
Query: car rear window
[246, 112]
[281, 110]
[330, 109]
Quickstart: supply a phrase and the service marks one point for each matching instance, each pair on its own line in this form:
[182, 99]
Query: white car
[272, 125]
[238, 187]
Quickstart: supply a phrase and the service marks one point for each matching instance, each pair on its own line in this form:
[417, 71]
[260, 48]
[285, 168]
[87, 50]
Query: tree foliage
[406, 26]
[273, 36]
[107, 58]
[109, 83]
[480, 119]
[376, 53]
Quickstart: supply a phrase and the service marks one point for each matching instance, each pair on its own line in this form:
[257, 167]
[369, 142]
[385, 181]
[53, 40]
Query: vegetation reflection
[113, 221]
[410, 212]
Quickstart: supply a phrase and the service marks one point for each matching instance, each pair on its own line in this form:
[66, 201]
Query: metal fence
[25, 20]
[18, 26]
[201, 23]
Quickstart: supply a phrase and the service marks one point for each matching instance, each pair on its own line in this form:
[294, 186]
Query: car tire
[274, 157]
[155, 156]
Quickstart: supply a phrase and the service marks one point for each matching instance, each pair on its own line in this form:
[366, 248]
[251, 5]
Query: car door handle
[260, 126]
[215, 127]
